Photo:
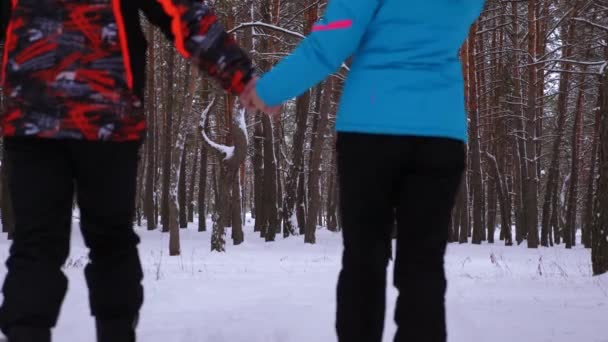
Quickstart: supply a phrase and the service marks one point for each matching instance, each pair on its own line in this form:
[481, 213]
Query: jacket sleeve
[199, 36]
[333, 39]
[157, 16]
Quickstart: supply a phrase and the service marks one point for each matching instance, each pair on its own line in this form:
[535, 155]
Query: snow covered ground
[284, 292]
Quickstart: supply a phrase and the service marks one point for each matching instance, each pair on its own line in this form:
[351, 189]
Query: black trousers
[44, 175]
[410, 181]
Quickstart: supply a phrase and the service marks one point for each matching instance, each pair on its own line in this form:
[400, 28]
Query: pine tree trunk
[318, 141]
[192, 182]
[548, 215]
[519, 144]
[301, 206]
[475, 148]
[181, 188]
[572, 201]
[332, 195]
[520, 226]
[463, 209]
[270, 181]
[531, 169]
[591, 179]
[139, 198]
[291, 187]
[491, 209]
[238, 237]
[278, 137]
[149, 205]
[202, 189]
[258, 175]
[229, 193]
[599, 234]
[184, 121]
[169, 118]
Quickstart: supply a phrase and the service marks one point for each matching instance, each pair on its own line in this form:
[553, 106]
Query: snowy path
[284, 292]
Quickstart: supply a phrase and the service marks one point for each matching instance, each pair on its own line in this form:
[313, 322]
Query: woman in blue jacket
[401, 150]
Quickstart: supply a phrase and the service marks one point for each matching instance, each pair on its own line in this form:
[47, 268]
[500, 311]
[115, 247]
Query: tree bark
[572, 201]
[474, 141]
[591, 179]
[229, 194]
[548, 215]
[289, 219]
[149, 196]
[531, 175]
[202, 188]
[258, 174]
[315, 165]
[599, 234]
[169, 118]
[181, 187]
[270, 181]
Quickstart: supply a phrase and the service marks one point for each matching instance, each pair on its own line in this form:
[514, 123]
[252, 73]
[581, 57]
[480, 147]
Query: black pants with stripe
[44, 175]
[412, 181]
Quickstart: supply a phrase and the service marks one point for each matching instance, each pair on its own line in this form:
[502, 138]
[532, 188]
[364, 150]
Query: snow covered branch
[601, 27]
[226, 151]
[275, 28]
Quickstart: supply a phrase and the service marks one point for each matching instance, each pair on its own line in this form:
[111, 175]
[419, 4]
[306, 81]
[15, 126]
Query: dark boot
[116, 330]
[28, 334]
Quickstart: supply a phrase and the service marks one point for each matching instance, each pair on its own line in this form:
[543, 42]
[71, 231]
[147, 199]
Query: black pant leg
[41, 188]
[106, 184]
[366, 165]
[430, 181]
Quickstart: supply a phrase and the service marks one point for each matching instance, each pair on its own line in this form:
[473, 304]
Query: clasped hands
[252, 102]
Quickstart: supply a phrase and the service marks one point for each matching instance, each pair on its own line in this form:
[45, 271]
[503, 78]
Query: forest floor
[284, 292]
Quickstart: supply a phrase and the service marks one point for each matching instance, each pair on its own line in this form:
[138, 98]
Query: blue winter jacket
[405, 79]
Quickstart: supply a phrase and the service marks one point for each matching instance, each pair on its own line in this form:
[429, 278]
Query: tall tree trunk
[591, 179]
[474, 141]
[238, 236]
[520, 173]
[491, 209]
[291, 187]
[572, 201]
[139, 199]
[599, 234]
[192, 183]
[531, 175]
[553, 173]
[202, 187]
[463, 209]
[505, 203]
[301, 206]
[183, 120]
[258, 174]
[270, 181]
[149, 196]
[229, 195]
[181, 187]
[315, 164]
[169, 118]
[520, 231]
[332, 195]
[278, 137]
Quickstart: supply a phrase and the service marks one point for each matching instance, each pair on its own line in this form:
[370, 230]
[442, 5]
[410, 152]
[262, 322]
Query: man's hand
[251, 101]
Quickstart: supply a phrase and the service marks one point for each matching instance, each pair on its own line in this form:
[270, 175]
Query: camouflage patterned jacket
[75, 69]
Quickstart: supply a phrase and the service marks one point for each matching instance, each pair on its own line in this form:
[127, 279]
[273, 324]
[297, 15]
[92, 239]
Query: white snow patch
[263, 292]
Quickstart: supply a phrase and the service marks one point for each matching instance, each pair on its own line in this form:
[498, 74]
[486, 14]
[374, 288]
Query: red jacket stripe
[124, 43]
[9, 32]
[177, 25]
